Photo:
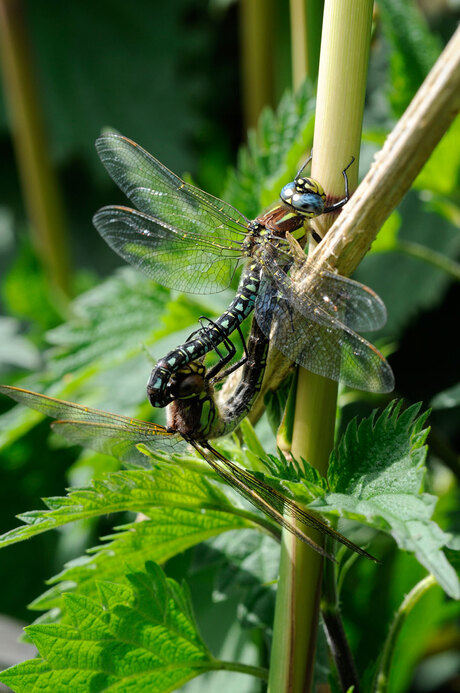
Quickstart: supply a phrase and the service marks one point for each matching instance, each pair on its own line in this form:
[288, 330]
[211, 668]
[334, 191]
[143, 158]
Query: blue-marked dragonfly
[186, 239]
[194, 417]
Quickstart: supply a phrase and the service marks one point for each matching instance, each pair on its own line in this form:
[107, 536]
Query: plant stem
[306, 19]
[299, 56]
[37, 176]
[341, 89]
[335, 632]
[414, 596]
[258, 672]
[421, 252]
[401, 159]
[256, 20]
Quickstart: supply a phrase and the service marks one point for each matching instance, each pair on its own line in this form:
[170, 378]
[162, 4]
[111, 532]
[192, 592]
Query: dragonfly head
[188, 382]
[305, 196]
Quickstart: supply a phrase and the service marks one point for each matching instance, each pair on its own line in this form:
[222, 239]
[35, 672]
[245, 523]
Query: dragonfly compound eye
[305, 196]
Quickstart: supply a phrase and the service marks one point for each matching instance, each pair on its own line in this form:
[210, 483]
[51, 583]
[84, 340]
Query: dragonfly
[189, 240]
[193, 418]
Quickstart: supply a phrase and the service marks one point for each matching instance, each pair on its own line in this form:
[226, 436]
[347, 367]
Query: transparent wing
[309, 288]
[351, 302]
[276, 505]
[307, 333]
[179, 260]
[157, 191]
[102, 431]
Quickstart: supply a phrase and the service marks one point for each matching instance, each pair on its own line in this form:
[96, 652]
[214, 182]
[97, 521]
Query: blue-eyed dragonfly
[194, 417]
[186, 239]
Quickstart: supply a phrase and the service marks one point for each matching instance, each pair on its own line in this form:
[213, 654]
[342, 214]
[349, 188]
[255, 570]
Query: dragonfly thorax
[305, 196]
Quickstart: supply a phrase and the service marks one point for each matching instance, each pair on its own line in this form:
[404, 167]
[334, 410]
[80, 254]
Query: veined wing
[310, 336]
[344, 299]
[310, 288]
[157, 191]
[102, 431]
[278, 506]
[189, 262]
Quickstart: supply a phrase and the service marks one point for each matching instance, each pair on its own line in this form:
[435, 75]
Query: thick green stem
[341, 90]
[414, 596]
[37, 176]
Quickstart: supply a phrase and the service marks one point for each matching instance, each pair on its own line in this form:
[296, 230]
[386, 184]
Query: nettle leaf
[376, 476]
[170, 486]
[414, 49]
[246, 567]
[108, 321]
[165, 533]
[105, 343]
[133, 637]
[15, 349]
[273, 152]
[447, 399]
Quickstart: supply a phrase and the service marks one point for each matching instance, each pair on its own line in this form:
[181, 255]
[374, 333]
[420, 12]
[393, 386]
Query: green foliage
[167, 486]
[139, 636]
[15, 349]
[102, 355]
[377, 475]
[414, 49]
[272, 156]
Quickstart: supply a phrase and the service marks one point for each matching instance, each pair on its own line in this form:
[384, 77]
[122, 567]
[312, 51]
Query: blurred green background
[179, 79]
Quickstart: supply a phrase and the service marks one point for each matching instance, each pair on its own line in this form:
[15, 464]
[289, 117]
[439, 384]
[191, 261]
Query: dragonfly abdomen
[205, 339]
[233, 410]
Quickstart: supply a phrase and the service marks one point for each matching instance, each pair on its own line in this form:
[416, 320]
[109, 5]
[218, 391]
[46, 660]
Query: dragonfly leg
[344, 200]
[212, 374]
[305, 164]
[223, 338]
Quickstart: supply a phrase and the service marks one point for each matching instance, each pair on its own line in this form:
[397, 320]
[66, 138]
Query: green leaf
[387, 238]
[168, 486]
[447, 399]
[16, 350]
[441, 173]
[108, 322]
[376, 476]
[137, 637]
[273, 152]
[246, 567]
[104, 344]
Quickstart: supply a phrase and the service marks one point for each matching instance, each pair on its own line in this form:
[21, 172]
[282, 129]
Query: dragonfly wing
[276, 504]
[311, 289]
[118, 440]
[102, 431]
[156, 190]
[319, 342]
[178, 260]
[347, 300]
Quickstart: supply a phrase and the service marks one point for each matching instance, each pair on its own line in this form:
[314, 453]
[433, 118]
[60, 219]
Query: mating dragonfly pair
[188, 240]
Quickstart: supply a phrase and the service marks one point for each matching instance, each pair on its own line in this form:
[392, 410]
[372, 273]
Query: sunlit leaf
[137, 636]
